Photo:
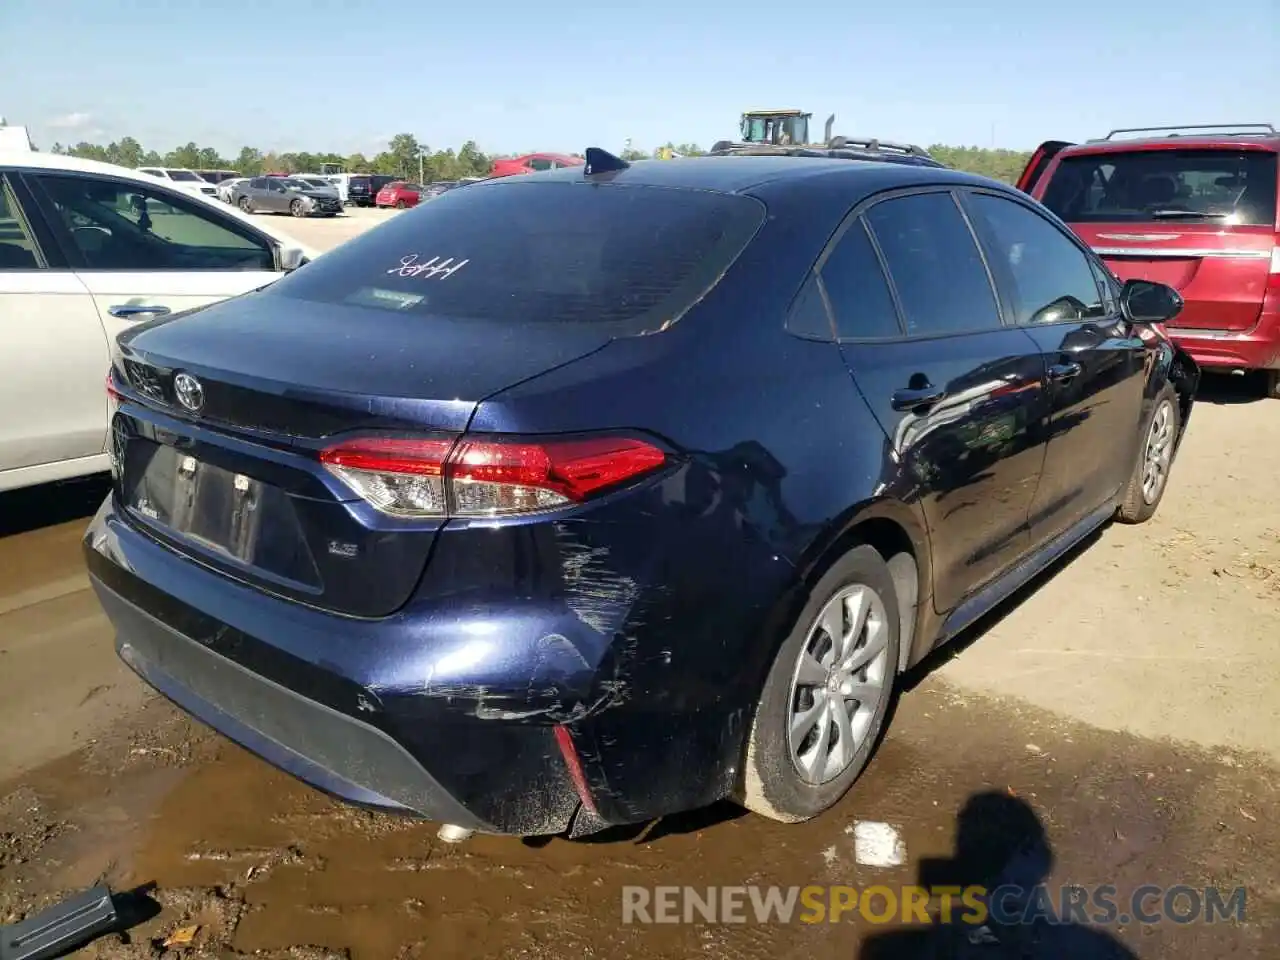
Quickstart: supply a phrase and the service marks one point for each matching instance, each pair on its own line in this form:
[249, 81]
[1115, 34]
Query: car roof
[32, 159]
[1204, 142]
[736, 174]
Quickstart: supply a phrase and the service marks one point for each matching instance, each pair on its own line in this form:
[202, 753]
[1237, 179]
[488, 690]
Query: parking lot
[1129, 698]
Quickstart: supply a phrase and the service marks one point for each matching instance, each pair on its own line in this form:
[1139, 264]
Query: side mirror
[290, 258]
[1144, 301]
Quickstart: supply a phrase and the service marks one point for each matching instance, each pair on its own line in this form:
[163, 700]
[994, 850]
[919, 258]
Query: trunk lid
[1221, 273]
[237, 484]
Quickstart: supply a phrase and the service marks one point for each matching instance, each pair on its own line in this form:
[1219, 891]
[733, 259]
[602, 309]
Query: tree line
[401, 158]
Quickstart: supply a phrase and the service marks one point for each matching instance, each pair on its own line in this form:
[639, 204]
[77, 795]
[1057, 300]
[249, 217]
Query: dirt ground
[1131, 700]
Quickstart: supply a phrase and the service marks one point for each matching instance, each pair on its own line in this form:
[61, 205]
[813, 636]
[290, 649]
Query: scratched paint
[595, 592]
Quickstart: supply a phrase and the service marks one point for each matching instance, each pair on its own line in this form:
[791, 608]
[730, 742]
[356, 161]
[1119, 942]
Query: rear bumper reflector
[564, 741]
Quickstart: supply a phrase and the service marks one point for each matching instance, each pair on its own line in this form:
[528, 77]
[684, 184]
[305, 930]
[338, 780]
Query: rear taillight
[475, 477]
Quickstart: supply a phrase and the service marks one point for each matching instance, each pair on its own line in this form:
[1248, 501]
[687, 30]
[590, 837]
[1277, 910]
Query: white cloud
[71, 121]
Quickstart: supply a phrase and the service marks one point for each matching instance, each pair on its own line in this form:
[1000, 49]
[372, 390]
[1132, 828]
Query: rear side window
[808, 316]
[550, 252]
[857, 288]
[935, 265]
[1232, 187]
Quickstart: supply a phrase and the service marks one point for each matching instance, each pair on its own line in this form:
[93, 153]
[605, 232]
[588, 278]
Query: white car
[226, 190]
[183, 179]
[86, 250]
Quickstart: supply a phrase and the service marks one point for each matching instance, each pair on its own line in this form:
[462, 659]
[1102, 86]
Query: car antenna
[602, 161]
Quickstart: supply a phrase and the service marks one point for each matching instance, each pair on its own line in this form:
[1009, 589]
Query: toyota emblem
[189, 392]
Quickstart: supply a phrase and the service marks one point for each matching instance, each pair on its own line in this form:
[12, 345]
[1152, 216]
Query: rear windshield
[1212, 186]
[182, 175]
[551, 252]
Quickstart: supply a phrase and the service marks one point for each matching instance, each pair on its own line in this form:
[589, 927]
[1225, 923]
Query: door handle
[911, 398]
[1064, 372]
[128, 311]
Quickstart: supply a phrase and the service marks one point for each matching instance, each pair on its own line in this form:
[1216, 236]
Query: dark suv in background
[1192, 207]
[362, 190]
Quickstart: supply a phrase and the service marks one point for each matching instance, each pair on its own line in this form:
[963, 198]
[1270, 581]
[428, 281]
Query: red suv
[1186, 207]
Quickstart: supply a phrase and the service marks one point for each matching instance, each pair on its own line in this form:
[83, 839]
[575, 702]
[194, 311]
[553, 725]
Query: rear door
[52, 404]
[1200, 219]
[1039, 162]
[958, 394]
[275, 197]
[144, 251]
[1095, 364]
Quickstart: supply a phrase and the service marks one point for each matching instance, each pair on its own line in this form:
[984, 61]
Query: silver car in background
[287, 195]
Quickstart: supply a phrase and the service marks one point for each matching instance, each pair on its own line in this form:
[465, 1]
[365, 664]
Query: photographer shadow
[1002, 847]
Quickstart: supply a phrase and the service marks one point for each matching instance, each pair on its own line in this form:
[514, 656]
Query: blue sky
[346, 75]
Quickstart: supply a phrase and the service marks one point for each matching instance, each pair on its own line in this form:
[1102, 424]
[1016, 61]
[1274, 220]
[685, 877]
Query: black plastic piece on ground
[61, 928]
[602, 161]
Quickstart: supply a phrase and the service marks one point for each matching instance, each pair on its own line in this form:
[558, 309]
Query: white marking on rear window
[433, 269]
[378, 297]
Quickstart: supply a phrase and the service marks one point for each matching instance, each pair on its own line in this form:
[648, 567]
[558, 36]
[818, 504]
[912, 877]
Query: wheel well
[1185, 379]
[891, 541]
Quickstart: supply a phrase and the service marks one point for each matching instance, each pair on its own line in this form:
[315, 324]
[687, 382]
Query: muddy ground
[1131, 700]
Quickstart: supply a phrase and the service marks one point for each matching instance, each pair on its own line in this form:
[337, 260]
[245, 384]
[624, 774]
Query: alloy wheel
[1158, 453]
[840, 678]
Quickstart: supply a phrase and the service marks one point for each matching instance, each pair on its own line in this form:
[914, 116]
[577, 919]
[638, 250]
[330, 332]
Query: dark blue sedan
[586, 497]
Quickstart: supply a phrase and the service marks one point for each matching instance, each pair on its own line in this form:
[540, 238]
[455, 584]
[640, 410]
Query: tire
[1140, 501]
[400, 205]
[772, 782]
[246, 205]
[1271, 385]
[297, 209]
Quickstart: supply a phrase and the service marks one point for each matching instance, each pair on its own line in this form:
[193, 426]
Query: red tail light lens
[486, 478]
[113, 394]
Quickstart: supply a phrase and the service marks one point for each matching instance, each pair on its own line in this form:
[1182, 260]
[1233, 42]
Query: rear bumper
[320, 715]
[1256, 349]
[448, 711]
[331, 751]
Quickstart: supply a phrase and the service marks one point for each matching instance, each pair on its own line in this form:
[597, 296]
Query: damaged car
[582, 498]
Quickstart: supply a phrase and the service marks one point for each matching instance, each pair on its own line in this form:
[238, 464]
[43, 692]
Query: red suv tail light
[476, 477]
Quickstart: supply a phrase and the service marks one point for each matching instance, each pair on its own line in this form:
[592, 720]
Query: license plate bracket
[219, 509]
